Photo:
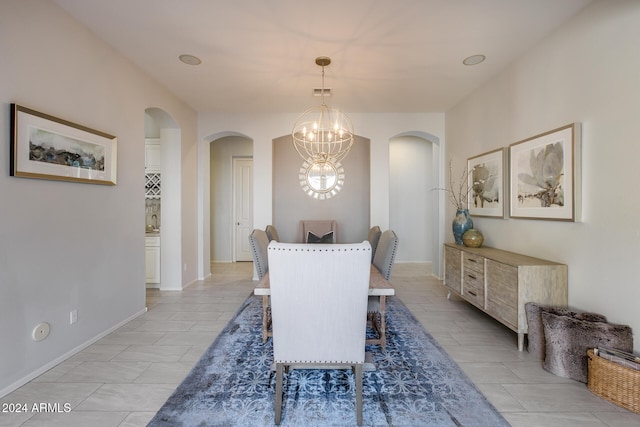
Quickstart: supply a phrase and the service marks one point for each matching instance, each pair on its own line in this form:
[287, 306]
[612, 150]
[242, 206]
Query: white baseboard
[22, 381]
[189, 284]
[208, 276]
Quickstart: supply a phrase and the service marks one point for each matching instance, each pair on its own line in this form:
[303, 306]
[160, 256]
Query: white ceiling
[259, 55]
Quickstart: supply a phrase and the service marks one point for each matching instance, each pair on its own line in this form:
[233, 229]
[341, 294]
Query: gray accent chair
[383, 260]
[259, 241]
[318, 308]
[373, 237]
[386, 253]
[272, 233]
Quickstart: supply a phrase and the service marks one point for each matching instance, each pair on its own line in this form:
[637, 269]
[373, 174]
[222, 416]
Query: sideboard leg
[448, 294]
[520, 342]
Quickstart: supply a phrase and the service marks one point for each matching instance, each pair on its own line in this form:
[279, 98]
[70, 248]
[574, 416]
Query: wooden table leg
[379, 324]
[265, 319]
[383, 323]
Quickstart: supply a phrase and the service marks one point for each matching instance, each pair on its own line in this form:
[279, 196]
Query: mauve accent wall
[350, 207]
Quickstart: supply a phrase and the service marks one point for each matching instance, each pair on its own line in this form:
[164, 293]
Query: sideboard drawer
[473, 287]
[473, 263]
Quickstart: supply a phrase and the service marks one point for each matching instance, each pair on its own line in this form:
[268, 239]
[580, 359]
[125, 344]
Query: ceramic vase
[461, 223]
[472, 238]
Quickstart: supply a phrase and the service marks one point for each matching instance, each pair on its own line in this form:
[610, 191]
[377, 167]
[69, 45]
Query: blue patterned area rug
[415, 383]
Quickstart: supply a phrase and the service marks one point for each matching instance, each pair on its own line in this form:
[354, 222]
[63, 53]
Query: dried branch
[458, 193]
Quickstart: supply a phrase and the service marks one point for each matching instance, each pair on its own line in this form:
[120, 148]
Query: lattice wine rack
[152, 185]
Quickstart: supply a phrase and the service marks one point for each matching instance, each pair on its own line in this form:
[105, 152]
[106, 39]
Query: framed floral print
[487, 183]
[545, 175]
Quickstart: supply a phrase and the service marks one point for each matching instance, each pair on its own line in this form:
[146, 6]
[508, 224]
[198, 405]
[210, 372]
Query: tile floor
[125, 377]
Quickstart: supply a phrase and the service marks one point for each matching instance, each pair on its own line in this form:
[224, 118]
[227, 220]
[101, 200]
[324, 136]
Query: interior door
[242, 207]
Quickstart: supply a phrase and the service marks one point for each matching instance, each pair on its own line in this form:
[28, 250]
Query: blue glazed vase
[461, 223]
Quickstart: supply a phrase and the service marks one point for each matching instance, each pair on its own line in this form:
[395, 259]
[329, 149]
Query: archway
[415, 210]
[223, 149]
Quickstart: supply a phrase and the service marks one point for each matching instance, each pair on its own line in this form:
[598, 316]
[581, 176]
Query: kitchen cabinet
[152, 155]
[500, 282]
[152, 259]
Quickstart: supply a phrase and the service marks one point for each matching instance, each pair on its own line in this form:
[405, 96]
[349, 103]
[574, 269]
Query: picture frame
[486, 184]
[47, 147]
[545, 175]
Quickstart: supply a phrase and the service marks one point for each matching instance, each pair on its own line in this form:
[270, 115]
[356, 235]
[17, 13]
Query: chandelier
[322, 136]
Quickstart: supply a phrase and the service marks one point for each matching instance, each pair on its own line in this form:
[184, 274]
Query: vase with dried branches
[458, 194]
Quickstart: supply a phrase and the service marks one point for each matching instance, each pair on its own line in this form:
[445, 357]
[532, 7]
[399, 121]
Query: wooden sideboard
[500, 282]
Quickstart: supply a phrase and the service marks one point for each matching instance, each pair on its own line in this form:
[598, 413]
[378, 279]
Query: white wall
[171, 252]
[64, 245]
[410, 193]
[588, 72]
[262, 129]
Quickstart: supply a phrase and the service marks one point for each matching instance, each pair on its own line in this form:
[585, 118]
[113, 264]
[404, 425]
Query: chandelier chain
[322, 93]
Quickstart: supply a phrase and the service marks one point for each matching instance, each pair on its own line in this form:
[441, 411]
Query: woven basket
[613, 382]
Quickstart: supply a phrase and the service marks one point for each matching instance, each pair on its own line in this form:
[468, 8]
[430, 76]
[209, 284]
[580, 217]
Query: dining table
[378, 287]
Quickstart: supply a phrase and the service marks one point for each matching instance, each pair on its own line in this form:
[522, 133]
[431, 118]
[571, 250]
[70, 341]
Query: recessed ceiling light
[474, 59]
[190, 59]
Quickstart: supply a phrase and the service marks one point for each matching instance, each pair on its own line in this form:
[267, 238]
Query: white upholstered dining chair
[319, 307]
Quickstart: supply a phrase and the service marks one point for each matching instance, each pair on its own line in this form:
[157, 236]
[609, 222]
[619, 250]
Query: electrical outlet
[41, 331]
[73, 316]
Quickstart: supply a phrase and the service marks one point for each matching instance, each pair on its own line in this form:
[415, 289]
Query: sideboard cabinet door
[502, 293]
[453, 269]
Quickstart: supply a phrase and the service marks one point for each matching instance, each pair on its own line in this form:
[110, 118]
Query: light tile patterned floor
[125, 377]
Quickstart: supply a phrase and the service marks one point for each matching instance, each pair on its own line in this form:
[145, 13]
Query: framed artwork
[486, 183]
[47, 147]
[545, 175]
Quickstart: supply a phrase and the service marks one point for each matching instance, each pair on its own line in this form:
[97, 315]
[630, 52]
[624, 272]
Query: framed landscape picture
[47, 147]
[545, 175]
[486, 184]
